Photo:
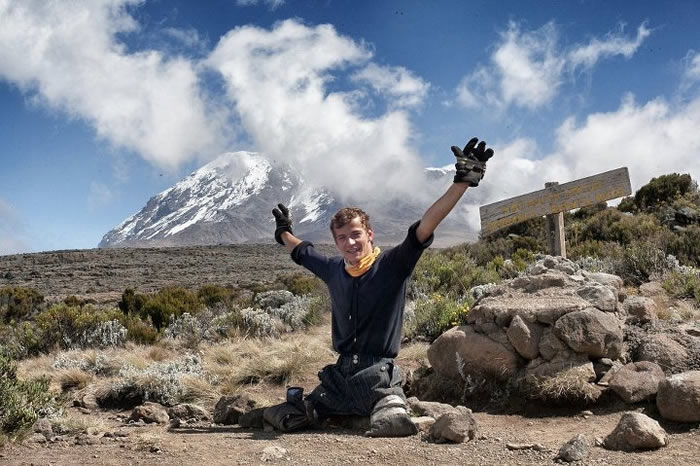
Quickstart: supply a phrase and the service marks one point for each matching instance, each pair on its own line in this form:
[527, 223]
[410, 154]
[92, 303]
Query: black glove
[471, 162]
[283, 221]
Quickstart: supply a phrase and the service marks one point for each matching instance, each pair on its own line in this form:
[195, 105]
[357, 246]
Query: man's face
[353, 241]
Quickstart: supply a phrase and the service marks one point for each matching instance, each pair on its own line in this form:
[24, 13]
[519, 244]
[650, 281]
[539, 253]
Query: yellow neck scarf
[363, 264]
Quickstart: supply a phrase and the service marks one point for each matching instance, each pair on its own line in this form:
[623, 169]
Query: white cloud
[651, 139]
[12, 235]
[67, 55]
[397, 83]
[692, 66]
[272, 4]
[278, 82]
[526, 67]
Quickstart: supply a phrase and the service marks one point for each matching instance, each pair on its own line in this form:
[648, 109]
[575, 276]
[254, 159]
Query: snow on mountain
[229, 200]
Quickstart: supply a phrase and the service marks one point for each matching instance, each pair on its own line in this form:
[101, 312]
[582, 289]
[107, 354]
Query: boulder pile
[562, 333]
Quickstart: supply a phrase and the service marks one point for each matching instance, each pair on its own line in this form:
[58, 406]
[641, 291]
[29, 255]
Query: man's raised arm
[283, 230]
[471, 165]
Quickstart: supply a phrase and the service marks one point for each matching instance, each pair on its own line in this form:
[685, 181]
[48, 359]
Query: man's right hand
[283, 221]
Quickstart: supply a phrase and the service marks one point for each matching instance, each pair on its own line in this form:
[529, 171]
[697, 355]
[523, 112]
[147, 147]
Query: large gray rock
[478, 353]
[664, 351]
[186, 411]
[592, 332]
[230, 408]
[525, 337]
[454, 427]
[636, 431]
[551, 347]
[532, 283]
[637, 381]
[678, 398]
[640, 309]
[150, 413]
[604, 278]
[603, 297]
[575, 449]
[543, 309]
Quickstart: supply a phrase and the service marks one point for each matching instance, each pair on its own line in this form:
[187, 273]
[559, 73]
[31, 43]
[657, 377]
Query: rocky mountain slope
[229, 201]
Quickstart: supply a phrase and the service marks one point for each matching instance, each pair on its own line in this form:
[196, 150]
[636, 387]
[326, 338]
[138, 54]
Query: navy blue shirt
[367, 311]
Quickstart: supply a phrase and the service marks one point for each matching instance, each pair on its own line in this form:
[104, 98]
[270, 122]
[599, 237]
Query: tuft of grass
[416, 352]
[73, 379]
[72, 424]
[570, 385]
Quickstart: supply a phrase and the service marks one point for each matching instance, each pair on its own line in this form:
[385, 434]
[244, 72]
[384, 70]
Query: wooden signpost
[553, 201]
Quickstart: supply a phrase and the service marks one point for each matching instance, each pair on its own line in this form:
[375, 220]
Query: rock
[664, 351]
[637, 381]
[150, 413]
[603, 297]
[252, 419]
[605, 368]
[230, 408]
[678, 398]
[85, 398]
[551, 347]
[526, 446]
[43, 426]
[454, 428]
[532, 283]
[36, 438]
[604, 279]
[478, 353]
[575, 449]
[431, 408]
[545, 309]
[273, 452]
[579, 365]
[640, 309]
[636, 431]
[525, 337]
[652, 288]
[188, 411]
[423, 423]
[592, 332]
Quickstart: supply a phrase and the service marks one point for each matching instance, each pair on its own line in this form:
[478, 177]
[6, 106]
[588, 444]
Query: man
[368, 290]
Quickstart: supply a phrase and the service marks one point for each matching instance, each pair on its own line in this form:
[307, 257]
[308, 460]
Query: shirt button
[354, 340]
[349, 317]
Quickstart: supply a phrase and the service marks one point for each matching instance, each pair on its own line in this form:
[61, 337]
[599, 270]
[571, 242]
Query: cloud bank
[527, 68]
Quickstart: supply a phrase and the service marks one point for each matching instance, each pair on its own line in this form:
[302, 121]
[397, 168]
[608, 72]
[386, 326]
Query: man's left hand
[471, 162]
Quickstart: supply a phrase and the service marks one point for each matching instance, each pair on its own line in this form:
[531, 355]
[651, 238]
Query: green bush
[170, 301]
[140, 331]
[21, 402]
[210, 295]
[683, 284]
[434, 315]
[642, 261]
[63, 326]
[301, 283]
[686, 246]
[17, 303]
[663, 190]
[132, 303]
[449, 274]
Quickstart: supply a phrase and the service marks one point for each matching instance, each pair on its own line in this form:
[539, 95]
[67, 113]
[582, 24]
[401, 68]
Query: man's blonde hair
[345, 216]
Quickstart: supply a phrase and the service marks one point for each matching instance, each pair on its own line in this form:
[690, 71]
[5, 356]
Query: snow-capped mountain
[229, 201]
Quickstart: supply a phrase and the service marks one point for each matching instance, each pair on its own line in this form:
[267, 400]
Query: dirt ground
[131, 444]
[103, 275]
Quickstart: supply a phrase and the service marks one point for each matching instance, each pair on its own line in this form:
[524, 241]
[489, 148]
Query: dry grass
[415, 353]
[72, 424]
[73, 379]
[569, 385]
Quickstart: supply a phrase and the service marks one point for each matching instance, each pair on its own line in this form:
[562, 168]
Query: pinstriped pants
[354, 384]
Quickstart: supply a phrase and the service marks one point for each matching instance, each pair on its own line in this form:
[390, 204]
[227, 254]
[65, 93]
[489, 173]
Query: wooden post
[555, 230]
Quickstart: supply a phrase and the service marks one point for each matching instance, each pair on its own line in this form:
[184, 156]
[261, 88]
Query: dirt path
[134, 444]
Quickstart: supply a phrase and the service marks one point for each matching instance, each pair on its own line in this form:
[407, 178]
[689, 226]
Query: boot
[389, 418]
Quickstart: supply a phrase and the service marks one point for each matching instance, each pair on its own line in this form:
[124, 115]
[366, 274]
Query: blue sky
[105, 103]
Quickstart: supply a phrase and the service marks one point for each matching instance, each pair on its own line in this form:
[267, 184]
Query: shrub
[17, 303]
[210, 295]
[683, 283]
[449, 275]
[132, 303]
[69, 327]
[21, 402]
[662, 190]
[686, 246]
[301, 283]
[140, 331]
[170, 301]
[642, 261]
[431, 317]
